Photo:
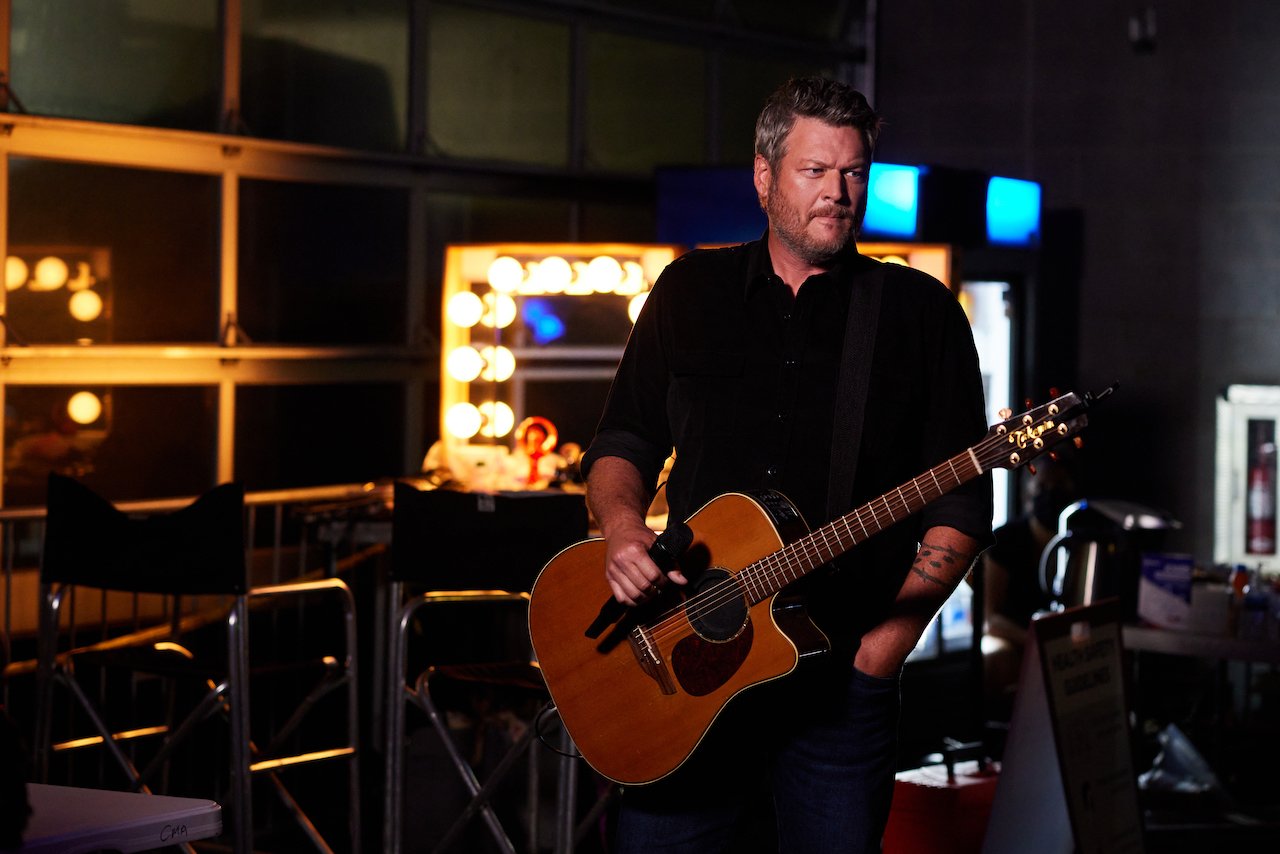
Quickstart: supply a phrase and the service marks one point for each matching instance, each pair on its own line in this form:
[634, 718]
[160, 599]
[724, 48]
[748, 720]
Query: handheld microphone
[664, 552]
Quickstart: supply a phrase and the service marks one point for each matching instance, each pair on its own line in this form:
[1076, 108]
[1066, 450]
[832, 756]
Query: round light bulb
[464, 364]
[605, 274]
[464, 309]
[85, 305]
[15, 273]
[634, 306]
[500, 364]
[84, 407]
[498, 419]
[462, 420]
[499, 310]
[633, 281]
[505, 274]
[50, 274]
[553, 275]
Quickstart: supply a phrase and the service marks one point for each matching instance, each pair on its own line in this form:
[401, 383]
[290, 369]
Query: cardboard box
[1164, 590]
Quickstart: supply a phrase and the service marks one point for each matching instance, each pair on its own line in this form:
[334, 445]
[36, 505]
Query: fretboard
[792, 562]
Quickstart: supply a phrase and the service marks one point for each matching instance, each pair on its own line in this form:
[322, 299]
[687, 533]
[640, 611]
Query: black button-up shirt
[738, 376]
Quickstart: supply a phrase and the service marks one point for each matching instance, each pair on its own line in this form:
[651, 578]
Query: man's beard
[788, 225]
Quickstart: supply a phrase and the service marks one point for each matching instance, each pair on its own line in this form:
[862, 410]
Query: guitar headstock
[1019, 439]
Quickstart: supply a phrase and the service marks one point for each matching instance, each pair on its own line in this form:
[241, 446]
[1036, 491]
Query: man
[735, 363]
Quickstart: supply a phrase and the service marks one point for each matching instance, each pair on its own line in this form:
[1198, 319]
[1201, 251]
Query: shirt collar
[760, 265]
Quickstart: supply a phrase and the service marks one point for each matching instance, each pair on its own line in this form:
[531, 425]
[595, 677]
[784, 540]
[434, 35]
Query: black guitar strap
[851, 393]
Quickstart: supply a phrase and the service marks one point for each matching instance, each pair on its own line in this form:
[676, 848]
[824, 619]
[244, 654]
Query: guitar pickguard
[701, 666]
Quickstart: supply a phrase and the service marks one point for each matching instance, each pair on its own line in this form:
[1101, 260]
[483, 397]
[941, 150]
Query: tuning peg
[1078, 441]
[1005, 414]
[1054, 392]
[1053, 455]
[1031, 467]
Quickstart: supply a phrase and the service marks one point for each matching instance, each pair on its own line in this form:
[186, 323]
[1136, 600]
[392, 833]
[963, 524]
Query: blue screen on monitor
[1013, 212]
[893, 201]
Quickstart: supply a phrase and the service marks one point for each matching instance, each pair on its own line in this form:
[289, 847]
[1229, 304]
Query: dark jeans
[821, 744]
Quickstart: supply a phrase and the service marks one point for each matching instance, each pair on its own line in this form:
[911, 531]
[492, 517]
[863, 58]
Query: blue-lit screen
[1013, 212]
[893, 201]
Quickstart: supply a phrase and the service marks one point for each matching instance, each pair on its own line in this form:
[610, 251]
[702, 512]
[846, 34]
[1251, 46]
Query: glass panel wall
[326, 71]
[294, 436]
[323, 263]
[99, 254]
[142, 62]
[127, 442]
[498, 86]
[646, 104]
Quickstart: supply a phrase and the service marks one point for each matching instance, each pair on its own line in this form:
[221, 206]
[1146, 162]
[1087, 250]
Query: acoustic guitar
[638, 687]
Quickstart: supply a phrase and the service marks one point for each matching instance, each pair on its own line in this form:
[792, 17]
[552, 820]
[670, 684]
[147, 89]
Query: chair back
[197, 550]
[451, 540]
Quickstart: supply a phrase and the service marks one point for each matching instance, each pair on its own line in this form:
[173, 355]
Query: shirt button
[786, 316]
[782, 416]
[772, 471]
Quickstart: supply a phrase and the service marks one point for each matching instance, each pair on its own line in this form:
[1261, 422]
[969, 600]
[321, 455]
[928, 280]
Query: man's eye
[814, 171]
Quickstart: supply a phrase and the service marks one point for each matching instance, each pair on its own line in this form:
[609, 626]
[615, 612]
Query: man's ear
[762, 177]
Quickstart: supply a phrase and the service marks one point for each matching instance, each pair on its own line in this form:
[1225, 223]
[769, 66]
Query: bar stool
[472, 557]
[196, 551]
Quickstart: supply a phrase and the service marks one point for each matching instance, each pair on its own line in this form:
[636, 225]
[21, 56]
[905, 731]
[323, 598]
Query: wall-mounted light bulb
[633, 281]
[499, 311]
[552, 275]
[84, 407]
[604, 274]
[464, 309]
[464, 364]
[463, 420]
[498, 419]
[635, 304]
[85, 305]
[500, 364]
[50, 274]
[15, 273]
[505, 274]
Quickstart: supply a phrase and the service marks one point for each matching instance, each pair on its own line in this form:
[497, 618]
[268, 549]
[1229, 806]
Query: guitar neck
[770, 574]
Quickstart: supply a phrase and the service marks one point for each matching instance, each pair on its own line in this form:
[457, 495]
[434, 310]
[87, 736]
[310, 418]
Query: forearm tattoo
[933, 556]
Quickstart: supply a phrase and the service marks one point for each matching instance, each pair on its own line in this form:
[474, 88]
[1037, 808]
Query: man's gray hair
[829, 101]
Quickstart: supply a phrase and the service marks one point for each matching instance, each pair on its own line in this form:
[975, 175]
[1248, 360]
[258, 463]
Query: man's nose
[833, 187]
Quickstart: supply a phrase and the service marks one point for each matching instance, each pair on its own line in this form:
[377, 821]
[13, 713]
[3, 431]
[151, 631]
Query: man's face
[817, 195]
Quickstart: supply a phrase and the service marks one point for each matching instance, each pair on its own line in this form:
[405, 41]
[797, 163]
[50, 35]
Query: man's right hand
[618, 499]
[631, 573]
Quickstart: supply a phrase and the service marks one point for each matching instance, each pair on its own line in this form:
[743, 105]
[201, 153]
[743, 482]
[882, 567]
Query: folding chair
[476, 556]
[196, 551]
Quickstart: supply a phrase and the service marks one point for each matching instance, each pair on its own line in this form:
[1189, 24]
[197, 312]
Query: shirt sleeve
[634, 425]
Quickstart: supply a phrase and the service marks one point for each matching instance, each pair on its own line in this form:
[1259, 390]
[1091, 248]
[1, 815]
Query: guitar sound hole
[716, 607]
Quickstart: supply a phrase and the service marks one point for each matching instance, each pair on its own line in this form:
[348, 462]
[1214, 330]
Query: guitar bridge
[651, 662]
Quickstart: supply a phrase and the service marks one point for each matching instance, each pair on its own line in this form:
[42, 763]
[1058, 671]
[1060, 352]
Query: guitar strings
[807, 551]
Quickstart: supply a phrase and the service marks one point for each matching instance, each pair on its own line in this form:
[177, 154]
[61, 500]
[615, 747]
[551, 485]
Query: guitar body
[640, 697]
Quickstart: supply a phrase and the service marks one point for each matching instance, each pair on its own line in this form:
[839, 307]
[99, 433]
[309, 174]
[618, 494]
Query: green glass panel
[745, 83]
[498, 86]
[646, 104]
[144, 62]
[326, 71]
